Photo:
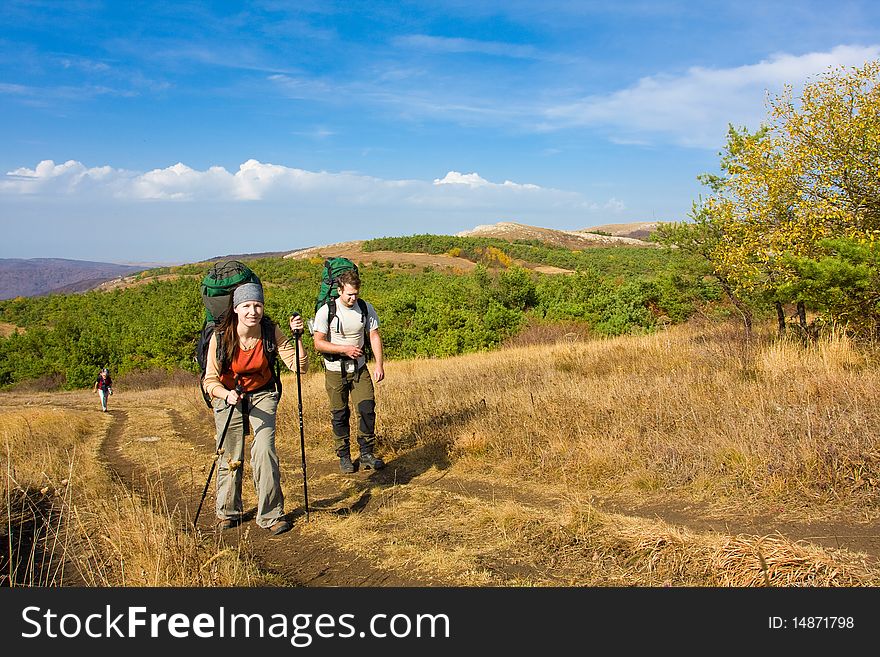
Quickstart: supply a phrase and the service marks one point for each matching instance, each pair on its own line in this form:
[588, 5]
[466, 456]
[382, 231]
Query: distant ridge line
[568, 238]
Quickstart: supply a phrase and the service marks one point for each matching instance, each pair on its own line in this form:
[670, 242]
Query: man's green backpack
[329, 292]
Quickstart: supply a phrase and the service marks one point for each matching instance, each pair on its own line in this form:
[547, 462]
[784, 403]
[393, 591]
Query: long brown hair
[228, 335]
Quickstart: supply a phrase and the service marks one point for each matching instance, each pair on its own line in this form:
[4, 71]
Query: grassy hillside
[64, 339]
[686, 457]
[608, 261]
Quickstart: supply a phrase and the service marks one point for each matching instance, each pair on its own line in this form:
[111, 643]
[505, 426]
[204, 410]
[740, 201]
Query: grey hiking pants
[359, 387]
[261, 408]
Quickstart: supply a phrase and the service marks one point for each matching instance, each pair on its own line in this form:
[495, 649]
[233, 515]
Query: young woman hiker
[241, 380]
[104, 387]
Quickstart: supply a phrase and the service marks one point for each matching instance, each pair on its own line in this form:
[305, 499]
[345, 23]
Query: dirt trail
[295, 557]
[303, 558]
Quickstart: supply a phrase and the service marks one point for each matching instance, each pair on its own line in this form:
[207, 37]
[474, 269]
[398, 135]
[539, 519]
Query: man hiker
[104, 387]
[342, 341]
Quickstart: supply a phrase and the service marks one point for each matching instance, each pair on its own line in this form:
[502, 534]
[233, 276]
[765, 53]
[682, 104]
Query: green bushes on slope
[423, 313]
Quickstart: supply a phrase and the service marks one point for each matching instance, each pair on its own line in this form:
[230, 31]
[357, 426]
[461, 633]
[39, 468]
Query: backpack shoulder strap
[208, 329]
[365, 321]
[220, 351]
[270, 348]
[331, 315]
[267, 328]
[365, 315]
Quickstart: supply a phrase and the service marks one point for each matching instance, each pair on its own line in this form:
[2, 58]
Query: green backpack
[216, 288]
[220, 282]
[329, 292]
[333, 268]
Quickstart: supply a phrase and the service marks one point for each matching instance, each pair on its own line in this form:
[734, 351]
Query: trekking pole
[239, 390]
[302, 440]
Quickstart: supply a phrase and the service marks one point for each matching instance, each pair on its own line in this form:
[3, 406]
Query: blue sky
[178, 131]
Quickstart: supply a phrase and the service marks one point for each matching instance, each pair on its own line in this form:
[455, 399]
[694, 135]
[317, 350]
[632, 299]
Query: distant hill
[354, 251]
[242, 257]
[505, 230]
[641, 230]
[570, 239]
[41, 276]
[35, 277]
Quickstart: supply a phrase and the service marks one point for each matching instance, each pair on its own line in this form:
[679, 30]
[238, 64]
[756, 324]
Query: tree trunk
[780, 318]
[802, 316]
[743, 309]
[802, 322]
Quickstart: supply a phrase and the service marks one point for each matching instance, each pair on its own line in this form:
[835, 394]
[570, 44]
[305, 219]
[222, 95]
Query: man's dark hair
[348, 278]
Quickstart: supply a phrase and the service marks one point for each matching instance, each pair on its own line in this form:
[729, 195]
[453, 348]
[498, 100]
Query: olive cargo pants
[357, 386]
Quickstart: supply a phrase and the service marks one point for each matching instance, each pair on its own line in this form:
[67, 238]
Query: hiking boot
[280, 527]
[345, 464]
[226, 523]
[371, 462]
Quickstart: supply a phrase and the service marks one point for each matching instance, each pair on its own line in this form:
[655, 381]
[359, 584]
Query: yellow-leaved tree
[809, 177]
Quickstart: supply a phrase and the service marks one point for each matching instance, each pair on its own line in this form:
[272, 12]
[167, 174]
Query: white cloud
[456, 178]
[180, 182]
[474, 180]
[259, 181]
[694, 109]
[14, 89]
[614, 205]
[303, 87]
[54, 207]
[83, 64]
[317, 133]
[70, 177]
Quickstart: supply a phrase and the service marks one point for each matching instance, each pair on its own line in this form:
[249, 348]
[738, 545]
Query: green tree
[516, 289]
[808, 175]
[843, 284]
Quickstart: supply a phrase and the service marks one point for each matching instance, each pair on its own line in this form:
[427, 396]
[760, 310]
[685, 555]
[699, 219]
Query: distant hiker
[243, 361]
[341, 329]
[104, 387]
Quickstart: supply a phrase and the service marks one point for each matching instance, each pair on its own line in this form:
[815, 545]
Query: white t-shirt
[347, 328]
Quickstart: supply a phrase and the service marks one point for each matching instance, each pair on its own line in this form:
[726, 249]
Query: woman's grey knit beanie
[247, 292]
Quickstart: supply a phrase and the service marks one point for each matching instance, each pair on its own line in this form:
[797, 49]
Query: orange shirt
[251, 367]
[286, 351]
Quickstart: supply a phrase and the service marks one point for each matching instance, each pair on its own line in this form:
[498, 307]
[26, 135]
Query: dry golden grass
[471, 542]
[60, 505]
[741, 428]
[501, 465]
[699, 414]
[355, 252]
